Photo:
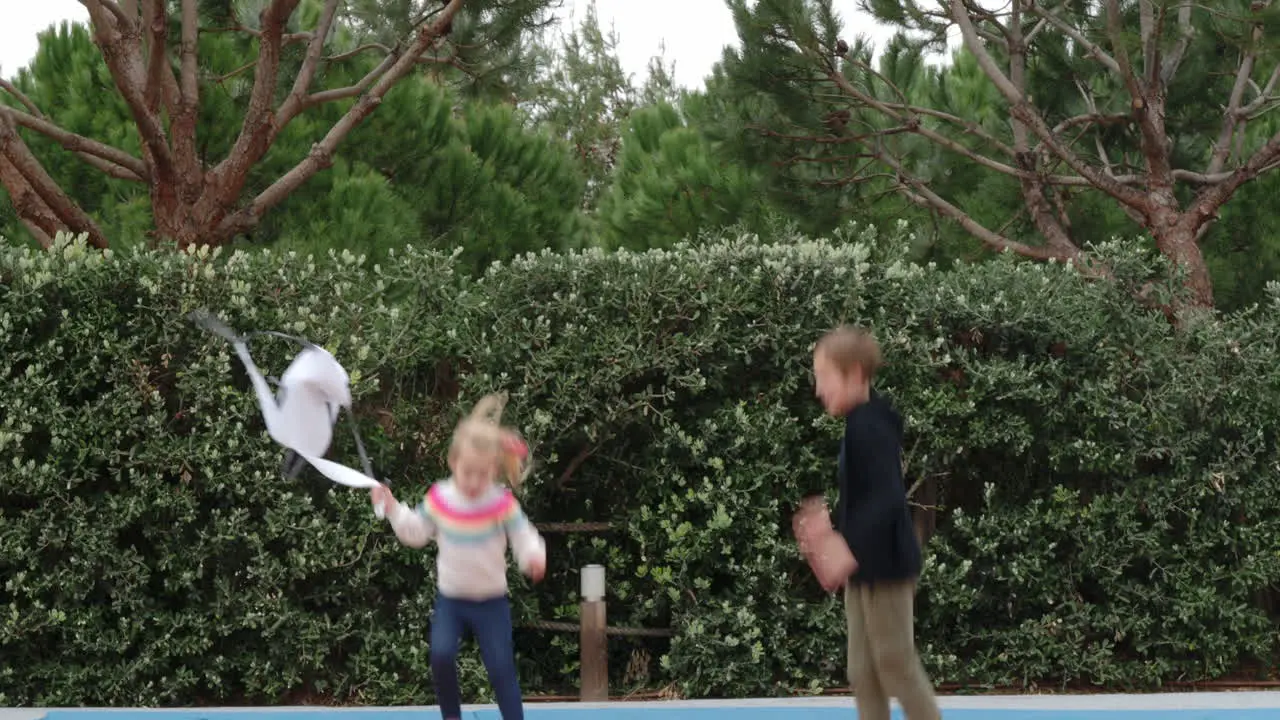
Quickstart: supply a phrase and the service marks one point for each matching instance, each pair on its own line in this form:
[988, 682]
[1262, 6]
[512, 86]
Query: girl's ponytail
[483, 428]
[516, 462]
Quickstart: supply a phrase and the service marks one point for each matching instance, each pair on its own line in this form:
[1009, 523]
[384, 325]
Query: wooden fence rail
[574, 527]
[568, 627]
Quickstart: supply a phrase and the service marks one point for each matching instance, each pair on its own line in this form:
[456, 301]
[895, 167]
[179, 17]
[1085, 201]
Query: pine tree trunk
[176, 222]
[1179, 241]
[189, 215]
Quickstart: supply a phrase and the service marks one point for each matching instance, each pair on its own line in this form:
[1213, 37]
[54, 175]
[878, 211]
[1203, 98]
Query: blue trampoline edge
[622, 712]
[1249, 705]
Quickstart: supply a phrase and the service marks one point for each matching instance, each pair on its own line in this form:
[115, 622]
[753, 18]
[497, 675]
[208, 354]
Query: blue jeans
[490, 622]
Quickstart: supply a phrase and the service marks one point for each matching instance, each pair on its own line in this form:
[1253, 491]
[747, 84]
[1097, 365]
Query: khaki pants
[882, 652]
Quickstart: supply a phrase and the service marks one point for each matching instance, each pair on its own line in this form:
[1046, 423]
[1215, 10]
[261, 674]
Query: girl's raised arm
[527, 545]
[413, 527]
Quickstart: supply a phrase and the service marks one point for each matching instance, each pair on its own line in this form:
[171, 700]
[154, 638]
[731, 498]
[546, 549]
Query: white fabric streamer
[344, 475]
[341, 474]
[301, 415]
[313, 390]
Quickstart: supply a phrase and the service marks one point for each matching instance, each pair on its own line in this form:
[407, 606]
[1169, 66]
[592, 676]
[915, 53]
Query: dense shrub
[1107, 487]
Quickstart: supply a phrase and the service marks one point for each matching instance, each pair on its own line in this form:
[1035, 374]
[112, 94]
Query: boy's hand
[382, 499]
[811, 521]
[834, 582]
[826, 551]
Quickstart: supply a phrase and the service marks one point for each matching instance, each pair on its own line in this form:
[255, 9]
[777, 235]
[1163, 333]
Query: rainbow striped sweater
[472, 535]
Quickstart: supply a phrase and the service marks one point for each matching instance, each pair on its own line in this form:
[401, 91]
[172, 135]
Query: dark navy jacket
[872, 512]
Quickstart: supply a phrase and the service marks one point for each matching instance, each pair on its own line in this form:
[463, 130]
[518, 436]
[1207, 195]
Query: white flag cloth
[302, 414]
[313, 389]
[341, 474]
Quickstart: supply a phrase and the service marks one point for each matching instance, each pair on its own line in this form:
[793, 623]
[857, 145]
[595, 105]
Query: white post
[593, 582]
[593, 645]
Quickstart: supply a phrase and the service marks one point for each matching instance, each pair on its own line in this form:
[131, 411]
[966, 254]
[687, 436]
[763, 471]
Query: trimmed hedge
[1107, 488]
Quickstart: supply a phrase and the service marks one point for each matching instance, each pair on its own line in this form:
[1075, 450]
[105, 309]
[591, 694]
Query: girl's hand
[381, 498]
[537, 569]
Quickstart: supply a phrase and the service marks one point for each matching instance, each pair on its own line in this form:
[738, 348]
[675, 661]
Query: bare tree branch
[1076, 36]
[915, 126]
[1039, 28]
[970, 127]
[363, 84]
[1266, 94]
[1092, 118]
[1021, 108]
[110, 6]
[351, 91]
[21, 97]
[285, 38]
[190, 61]
[833, 159]
[360, 49]
[1033, 187]
[161, 87]
[1147, 101]
[1149, 33]
[1048, 179]
[1231, 118]
[157, 24]
[115, 163]
[1115, 31]
[1059, 200]
[114, 40]
[920, 193]
[1210, 199]
[31, 210]
[302, 83]
[1002, 39]
[321, 154]
[1173, 60]
[228, 177]
[18, 157]
[450, 60]
[247, 66]
[1092, 106]
[1234, 113]
[188, 106]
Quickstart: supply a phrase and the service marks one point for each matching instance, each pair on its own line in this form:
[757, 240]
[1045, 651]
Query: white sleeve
[413, 527]
[526, 543]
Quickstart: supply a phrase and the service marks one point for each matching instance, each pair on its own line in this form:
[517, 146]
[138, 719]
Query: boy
[873, 518]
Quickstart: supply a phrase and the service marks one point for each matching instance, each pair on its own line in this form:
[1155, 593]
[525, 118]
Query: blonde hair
[849, 347]
[482, 432]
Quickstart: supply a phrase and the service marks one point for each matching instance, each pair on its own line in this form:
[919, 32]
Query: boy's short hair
[848, 347]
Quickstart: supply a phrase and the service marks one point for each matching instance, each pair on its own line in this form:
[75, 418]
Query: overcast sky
[694, 31]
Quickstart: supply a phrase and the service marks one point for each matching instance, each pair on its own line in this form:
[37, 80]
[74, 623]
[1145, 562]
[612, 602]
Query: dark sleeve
[814, 485]
[818, 483]
[879, 456]
[814, 489]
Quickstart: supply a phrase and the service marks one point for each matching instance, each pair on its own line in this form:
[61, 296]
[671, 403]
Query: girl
[472, 518]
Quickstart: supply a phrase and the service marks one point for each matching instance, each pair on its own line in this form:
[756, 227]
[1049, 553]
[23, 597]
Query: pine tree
[585, 97]
[298, 61]
[670, 184]
[1137, 107]
[429, 167]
